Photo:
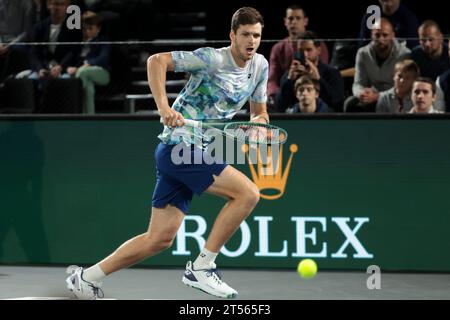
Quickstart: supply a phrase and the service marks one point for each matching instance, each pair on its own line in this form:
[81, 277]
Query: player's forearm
[156, 74]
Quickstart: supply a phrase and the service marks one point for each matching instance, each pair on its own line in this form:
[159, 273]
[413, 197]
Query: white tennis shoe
[207, 280]
[82, 289]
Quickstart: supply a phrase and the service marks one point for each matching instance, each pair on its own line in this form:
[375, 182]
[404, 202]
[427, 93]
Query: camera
[299, 56]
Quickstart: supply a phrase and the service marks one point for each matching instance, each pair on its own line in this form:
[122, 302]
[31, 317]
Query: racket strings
[257, 134]
[252, 133]
[199, 136]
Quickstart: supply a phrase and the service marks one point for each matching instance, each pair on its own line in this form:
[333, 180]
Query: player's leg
[218, 179]
[161, 232]
[242, 197]
[171, 200]
[164, 224]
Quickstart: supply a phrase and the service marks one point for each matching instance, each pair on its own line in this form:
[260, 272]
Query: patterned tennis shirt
[217, 88]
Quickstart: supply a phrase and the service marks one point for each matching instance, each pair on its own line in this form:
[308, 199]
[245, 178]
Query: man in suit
[52, 60]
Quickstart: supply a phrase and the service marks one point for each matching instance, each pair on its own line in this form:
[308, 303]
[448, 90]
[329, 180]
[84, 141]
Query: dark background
[331, 19]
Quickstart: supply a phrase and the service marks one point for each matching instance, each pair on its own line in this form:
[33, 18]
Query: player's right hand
[171, 117]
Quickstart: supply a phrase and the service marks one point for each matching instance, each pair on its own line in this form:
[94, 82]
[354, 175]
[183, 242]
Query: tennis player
[222, 81]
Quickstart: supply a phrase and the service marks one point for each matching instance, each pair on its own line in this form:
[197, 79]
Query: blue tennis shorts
[177, 183]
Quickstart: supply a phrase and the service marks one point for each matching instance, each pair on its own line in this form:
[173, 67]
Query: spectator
[398, 98]
[52, 60]
[92, 66]
[431, 55]
[282, 52]
[443, 89]
[331, 82]
[16, 20]
[403, 20]
[374, 70]
[424, 96]
[307, 92]
[41, 9]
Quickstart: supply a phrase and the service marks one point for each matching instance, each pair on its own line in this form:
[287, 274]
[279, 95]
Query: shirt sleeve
[361, 79]
[275, 70]
[439, 104]
[382, 103]
[260, 93]
[193, 61]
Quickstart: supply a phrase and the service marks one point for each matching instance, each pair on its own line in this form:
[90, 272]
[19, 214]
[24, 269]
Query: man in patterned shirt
[221, 82]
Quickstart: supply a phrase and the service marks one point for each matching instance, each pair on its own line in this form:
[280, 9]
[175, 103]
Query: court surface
[26, 282]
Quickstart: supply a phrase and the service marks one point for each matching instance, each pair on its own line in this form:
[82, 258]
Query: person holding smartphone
[307, 62]
[296, 21]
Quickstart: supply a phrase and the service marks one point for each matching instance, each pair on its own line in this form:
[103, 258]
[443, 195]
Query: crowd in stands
[401, 65]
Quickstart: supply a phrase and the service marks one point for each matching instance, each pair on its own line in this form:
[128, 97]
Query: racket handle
[187, 122]
[192, 123]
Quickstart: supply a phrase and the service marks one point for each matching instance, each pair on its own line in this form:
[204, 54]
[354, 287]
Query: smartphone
[299, 56]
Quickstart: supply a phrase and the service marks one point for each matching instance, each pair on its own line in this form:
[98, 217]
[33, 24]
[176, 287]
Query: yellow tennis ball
[307, 268]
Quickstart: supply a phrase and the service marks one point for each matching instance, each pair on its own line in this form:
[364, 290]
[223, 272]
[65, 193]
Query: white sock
[205, 259]
[94, 274]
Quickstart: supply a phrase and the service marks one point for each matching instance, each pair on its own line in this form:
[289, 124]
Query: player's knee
[165, 244]
[159, 244]
[251, 196]
[255, 195]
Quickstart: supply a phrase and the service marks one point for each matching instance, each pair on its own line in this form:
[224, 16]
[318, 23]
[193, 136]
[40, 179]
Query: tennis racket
[246, 132]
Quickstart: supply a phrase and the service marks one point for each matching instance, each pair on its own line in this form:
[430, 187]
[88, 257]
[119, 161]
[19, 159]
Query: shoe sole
[195, 285]
[72, 289]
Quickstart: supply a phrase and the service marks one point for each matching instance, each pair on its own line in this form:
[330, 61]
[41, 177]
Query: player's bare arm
[157, 67]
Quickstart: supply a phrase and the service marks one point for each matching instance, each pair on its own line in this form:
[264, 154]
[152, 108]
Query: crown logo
[269, 176]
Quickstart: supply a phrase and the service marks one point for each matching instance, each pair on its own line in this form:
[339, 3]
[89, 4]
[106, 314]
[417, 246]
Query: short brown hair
[246, 15]
[306, 79]
[408, 65]
[429, 81]
[296, 7]
[90, 18]
[309, 35]
[429, 24]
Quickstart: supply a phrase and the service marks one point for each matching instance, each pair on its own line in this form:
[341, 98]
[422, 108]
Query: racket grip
[192, 123]
[187, 122]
